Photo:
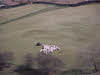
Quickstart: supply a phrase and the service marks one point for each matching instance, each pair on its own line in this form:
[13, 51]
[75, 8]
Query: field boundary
[32, 14]
[52, 3]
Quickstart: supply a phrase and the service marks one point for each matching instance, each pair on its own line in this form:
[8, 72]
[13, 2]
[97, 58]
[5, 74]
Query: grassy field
[73, 29]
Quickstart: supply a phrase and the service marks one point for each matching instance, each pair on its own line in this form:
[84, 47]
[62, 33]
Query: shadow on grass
[78, 72]
[26, 70]
[6, 59]
[46, 65]
[72, 72]
[33, 14]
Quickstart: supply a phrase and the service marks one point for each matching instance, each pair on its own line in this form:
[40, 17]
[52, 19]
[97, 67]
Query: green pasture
[73, 29]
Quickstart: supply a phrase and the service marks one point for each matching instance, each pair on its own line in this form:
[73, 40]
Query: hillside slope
[72, 29]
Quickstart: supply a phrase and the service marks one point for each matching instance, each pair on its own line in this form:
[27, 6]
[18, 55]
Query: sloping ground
[58, 2]
[72, 29]
[12, 2]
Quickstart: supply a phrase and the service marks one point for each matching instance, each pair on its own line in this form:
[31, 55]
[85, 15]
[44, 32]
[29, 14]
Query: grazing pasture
[73, 29]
